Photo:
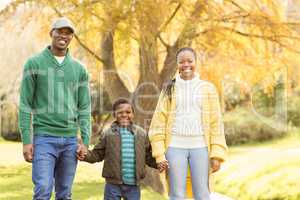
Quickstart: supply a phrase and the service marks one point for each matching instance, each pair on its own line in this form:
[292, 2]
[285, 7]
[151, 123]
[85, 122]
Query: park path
[11, 154]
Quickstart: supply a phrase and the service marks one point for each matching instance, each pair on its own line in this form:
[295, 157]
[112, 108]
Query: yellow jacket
[163, 119]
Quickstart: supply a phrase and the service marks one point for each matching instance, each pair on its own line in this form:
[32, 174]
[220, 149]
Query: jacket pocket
[107, 171]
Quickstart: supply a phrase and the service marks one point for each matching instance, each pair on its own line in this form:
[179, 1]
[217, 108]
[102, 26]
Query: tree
[109, 30]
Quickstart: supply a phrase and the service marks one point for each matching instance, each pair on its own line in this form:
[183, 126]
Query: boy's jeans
[54, 163]
[127, 192]
[179, 159]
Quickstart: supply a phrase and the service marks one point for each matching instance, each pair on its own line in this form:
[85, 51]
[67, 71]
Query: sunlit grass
[268, 171]
[15, 183]
[2, 141]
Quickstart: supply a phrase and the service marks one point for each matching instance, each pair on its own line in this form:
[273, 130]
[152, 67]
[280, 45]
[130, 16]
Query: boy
[125, 149]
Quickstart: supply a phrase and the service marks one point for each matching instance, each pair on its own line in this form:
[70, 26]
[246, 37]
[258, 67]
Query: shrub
[294, 111]
[243, 126]
[9, 123]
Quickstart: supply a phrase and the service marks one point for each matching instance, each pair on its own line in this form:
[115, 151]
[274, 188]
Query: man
[54, 104]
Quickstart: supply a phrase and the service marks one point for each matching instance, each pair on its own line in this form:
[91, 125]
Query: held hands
[28, 152]
[215, 164]
[162, 166]
[81, 152]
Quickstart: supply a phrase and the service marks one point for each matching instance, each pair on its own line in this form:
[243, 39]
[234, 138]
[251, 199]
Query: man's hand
[28, 152]
[81, 151]
[162, 166]
[215, 164]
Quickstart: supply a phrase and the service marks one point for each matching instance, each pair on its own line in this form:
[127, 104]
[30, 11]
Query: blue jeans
[54, 164]
[179, 159]
[127, 192]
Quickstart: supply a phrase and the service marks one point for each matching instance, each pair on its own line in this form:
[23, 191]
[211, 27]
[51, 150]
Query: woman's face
[186, 63]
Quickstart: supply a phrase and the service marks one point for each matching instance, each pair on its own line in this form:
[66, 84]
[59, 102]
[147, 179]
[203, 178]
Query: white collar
[193, 80]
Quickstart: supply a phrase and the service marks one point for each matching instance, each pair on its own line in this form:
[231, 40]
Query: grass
[15, 183]
[266, 171]
[2, 141]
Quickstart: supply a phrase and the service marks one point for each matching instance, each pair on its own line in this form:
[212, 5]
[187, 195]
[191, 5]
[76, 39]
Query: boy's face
[124, 114]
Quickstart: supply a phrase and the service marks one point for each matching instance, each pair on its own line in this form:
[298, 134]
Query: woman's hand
[215, 164]
[162, 166]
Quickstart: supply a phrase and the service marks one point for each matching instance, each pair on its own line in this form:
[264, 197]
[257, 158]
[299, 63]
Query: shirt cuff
[26, 137]
[160, 158]
[85, 140]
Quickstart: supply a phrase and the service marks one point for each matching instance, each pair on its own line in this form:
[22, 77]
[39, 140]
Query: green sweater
[54, 98]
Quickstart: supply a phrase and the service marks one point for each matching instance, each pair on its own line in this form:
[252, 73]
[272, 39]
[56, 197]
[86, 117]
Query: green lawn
[15, 183]
[266, 171]
[269, 171]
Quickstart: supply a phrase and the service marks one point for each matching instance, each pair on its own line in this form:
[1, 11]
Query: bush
[243, 126]
[9, 124]
[294, 111]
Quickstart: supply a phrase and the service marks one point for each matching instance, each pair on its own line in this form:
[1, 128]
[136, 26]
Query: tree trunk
[113, 84]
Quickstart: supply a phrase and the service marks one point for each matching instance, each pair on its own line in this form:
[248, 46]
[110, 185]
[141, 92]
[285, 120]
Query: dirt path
[11, 154]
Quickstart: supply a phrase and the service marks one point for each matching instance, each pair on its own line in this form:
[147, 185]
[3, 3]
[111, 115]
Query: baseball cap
[63, 22]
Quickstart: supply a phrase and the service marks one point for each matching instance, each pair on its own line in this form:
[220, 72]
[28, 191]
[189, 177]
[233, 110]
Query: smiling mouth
[62, 42]
[124, 121]
[187, 70]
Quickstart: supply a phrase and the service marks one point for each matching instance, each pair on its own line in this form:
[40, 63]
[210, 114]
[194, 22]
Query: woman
[186, 132]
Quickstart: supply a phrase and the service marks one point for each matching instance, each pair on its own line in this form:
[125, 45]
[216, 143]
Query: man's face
[124, 114]
[61, 38]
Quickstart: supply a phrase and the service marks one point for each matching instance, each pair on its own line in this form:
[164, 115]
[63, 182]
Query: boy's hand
[162, 166]
[81, 152]
[215, 164]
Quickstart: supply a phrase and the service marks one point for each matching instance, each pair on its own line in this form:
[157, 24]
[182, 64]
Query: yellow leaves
[244, 40]
[248, 46]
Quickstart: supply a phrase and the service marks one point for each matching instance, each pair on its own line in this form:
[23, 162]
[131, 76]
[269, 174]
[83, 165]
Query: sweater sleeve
[217, 137]
[157, 129]
[84, 107]
[27, 90]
